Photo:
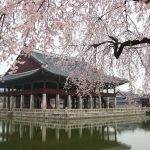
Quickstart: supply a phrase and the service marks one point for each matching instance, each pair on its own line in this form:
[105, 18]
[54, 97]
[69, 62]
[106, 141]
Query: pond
[93, 134]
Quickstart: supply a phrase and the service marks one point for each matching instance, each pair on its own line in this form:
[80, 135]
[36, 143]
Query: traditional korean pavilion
[38, 83]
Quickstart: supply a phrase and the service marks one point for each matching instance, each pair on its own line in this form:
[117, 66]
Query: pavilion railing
[45, 90]
[34, 91]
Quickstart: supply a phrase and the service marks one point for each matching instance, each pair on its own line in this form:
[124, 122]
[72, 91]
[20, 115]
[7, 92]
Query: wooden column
[4, 102]
[100, 101]
[91, 102]
[31, 98]
[57, 103]
[22, 101]
[44, 97]
[14, 101]
[4, 99]
[107, 90]
[11, 102]
[31, 101]
[107, 102]
[44, 103]
[69, 102]
[115, 105]
[22, 98]
[8, 100]
[80, 102]
[94, 103]
[115, 102]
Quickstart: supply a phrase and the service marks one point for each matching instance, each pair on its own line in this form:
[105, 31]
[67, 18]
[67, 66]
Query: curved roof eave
[19, 75]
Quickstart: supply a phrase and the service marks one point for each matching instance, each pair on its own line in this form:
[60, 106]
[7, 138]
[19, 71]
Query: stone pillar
[100, 102]
[107, 102]
[22, 101]
[11, 102]
[44, 103]
[31, 101]
[69, 102]
[57, 103]
[90, 102]
[80, 102]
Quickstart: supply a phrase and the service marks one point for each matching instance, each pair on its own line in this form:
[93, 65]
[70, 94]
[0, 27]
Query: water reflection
[65, 135]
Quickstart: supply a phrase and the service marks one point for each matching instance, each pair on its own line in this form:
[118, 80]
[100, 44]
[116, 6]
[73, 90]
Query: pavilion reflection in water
[44, 137]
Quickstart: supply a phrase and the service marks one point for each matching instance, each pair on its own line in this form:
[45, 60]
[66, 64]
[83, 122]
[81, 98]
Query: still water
[97, 134]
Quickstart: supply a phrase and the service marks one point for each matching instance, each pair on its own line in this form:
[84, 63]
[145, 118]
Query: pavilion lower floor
[57, 101]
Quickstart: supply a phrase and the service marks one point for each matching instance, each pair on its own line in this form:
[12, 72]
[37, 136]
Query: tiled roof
[52, 63]
[19, 75]
[56, 65]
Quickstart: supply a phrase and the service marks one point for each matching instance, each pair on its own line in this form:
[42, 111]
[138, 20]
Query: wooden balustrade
[47, 91]
[34, 91]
